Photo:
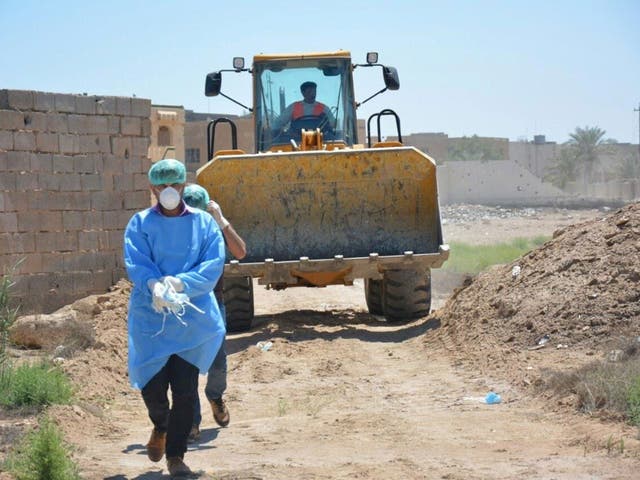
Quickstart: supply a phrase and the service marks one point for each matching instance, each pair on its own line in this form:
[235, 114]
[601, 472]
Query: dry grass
[610, 387]
[8, 311]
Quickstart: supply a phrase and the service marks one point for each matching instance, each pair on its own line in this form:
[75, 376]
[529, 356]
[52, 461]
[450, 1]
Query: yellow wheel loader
[315, 205]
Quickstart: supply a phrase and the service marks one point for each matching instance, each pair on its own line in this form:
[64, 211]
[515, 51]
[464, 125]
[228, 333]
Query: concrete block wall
[72, 172]
[621, 191]
[496, 182]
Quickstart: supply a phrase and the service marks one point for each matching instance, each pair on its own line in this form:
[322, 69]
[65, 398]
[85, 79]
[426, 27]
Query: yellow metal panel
[325, 203]
[229, 152]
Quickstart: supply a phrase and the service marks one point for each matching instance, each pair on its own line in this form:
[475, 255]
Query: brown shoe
[194, 434]
[155, 447]
[177, 467]
[220, 412]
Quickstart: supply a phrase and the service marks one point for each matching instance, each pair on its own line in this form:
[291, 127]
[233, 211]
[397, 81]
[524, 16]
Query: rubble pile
[463, 213]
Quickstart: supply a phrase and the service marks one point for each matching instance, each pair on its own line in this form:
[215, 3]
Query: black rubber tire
[373, 295]
[238, 302]
[406, 295]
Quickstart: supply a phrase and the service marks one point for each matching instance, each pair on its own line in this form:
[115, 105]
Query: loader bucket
[318, 204]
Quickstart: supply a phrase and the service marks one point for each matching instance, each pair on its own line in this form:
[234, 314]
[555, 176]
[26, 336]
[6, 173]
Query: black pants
[182, 377]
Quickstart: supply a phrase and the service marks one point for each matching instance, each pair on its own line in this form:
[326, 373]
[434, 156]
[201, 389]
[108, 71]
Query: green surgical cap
[167, 171]
[196, 196]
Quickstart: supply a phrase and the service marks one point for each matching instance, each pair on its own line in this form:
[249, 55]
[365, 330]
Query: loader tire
[406, 295]
[373, 295]
[238, 303]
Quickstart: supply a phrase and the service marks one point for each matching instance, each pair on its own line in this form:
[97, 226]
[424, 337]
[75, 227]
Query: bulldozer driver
[306, 113]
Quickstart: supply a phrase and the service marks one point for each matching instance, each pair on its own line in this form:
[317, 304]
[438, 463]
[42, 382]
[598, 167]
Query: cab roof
[300, 56]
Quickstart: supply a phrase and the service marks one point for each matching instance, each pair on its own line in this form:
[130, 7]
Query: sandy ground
[341, 394]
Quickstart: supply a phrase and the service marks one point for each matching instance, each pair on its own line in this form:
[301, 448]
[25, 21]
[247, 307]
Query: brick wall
[72, 172]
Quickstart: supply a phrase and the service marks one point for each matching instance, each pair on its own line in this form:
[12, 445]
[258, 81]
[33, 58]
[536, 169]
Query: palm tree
[564, 168]
[586, 142]
[473, 148]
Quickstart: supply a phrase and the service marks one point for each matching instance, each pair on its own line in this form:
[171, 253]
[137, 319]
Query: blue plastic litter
[492, 398]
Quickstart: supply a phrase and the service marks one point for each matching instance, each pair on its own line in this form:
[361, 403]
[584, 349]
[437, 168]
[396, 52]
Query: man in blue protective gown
[174, 255]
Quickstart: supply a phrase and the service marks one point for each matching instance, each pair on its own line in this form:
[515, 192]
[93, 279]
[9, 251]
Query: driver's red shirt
[298, 110]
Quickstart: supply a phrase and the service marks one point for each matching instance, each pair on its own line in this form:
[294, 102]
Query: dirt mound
[100, 372]
[578, 294]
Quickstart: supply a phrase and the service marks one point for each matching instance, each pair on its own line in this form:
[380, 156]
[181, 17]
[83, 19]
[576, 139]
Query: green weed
[615, 446]
[472, 259]
[283, 406]
[633, 402]
[42, 455]
[40, 384]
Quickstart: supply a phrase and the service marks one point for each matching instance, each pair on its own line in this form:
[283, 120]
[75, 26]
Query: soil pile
[577, 293]
[100, 372]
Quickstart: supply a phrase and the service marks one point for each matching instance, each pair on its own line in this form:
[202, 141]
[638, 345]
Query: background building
[167, 132]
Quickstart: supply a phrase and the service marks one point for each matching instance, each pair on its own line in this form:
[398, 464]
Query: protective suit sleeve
[137, 256]
[201, 279]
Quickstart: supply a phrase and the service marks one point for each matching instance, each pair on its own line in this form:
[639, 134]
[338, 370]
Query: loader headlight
[238, 63]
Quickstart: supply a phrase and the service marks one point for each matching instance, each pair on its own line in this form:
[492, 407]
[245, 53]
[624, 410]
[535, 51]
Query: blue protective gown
[190, 247]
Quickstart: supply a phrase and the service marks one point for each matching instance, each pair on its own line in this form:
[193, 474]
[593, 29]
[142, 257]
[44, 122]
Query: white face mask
[169, 198]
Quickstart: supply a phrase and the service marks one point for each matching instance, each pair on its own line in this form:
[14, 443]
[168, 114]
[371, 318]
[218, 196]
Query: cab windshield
[281, 112]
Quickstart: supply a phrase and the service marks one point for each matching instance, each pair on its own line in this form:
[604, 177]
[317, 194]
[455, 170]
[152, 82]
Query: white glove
[151, 284]
[158, 290]
[175, 282]
[214, 209]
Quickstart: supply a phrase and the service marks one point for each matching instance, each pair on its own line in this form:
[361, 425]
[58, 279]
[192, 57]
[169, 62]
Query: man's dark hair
[306, 85]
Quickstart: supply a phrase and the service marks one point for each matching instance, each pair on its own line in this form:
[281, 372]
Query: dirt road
[341, 394]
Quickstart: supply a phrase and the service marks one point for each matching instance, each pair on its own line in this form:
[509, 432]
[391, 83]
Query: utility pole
[638, 110]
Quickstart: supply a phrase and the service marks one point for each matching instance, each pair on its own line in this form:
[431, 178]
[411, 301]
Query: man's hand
[214, 209]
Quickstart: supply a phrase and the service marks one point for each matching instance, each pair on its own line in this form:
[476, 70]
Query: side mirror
[238, 63]
[372, 57]
[391, 80]
[212, 84]
[331, 71]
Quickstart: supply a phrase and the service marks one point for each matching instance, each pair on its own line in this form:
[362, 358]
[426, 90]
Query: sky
[509, 69]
